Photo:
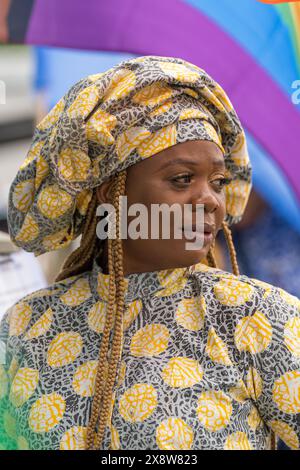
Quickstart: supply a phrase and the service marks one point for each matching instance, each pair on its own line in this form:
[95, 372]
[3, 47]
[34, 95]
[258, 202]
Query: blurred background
[252, 49]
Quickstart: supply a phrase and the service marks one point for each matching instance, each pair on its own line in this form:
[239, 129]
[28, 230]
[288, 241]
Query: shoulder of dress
[42, 303]
[218, 275]
[48, 294]
[263, 290]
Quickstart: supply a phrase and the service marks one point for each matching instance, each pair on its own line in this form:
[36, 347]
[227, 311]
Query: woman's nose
[207, 198]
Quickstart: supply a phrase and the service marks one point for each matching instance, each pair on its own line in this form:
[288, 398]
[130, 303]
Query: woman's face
[192, 173]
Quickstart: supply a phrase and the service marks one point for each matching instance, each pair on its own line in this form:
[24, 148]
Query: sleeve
[271, 342]
[7, 425]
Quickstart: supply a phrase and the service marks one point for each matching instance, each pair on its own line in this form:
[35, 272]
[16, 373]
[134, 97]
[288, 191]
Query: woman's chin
[189, 257]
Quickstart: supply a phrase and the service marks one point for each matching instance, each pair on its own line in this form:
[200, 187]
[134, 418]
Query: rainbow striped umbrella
[251, 48]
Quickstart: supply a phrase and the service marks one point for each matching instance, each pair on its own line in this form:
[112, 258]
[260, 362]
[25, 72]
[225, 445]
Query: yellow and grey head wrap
[109, 121]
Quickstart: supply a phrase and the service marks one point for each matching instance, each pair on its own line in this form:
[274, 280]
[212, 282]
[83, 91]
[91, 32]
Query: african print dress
[209, 361]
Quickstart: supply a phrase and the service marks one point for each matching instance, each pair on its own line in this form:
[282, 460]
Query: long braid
[102, 370]
[80, 260]
[118, 330]
[84, 254]
[211, 258]
[232, 252]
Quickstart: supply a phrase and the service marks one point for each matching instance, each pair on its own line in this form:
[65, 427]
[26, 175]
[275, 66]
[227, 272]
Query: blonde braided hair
[211, 259]
[79, 261]
[76, 263]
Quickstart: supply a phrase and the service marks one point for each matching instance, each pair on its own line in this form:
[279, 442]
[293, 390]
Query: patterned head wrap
[109, 121]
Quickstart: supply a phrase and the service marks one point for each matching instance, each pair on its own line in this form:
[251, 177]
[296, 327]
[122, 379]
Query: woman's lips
[191, 236]
[206, 232]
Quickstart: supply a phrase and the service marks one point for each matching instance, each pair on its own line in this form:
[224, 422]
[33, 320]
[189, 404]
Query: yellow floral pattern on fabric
[115, 440]
[32, 154]
[214, 410]
[174, 434]
[83, 200]
[162, 109]
[151, 340]
[237, 441]
[286, 392]
[138, 403]
[254, 383]
[239, 392]
[54, 202]
[121, 85]
[232, 292]
[23, 386]
[254, 419]
[290, 299]
[64, 348]
[219, 92]
[193, 372]
[29, 231]
[286, 433]
[23, 195]
[254, 333]
[74, 439]
[267, 287]
[153, 94]
[212, 133]
[190, 313]
[52, 116]
[182, 372]
[212, 96]
[130, 140]
[96, 317]
[103, 286]
[19, 318]
[84, 379]
[99, 127]
[192, 113]
[78, 293]
[179, 71]
[73, 164]
[42, 170]
[238, 155]
[171, 282]
[131, 312]
[190, 92]
[95, 76]
[292, 336]
[41, 326]
[157, 142]
[84, 103]
[46, 412]
[235, 197]
[59, 238]
[216, 349]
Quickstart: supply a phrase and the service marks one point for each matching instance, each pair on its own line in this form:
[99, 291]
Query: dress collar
[139, 285]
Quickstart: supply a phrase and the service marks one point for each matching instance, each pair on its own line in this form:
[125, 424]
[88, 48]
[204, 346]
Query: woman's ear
[104, 192]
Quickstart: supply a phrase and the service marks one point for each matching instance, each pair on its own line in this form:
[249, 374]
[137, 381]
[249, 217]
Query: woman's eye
[221, 182]
[182, 179]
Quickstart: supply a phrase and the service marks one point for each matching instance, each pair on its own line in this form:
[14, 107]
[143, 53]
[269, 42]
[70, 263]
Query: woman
[139, 344]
